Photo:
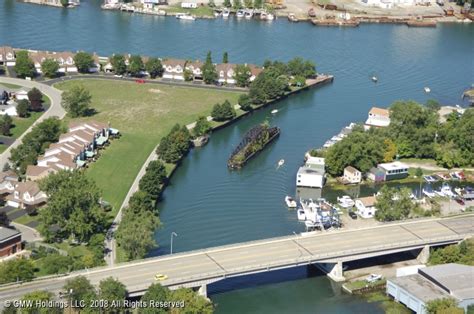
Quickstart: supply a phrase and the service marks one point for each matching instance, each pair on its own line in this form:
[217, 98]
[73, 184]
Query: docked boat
[248, 14]
[270, 17]
[292, 18]
[217, 13]
[427, 90]
[443, 176]
[290, 202]
[430, 179]
[301, 215]
[428, 192]
[466, 193]
[185, 16]
[446, 191]
[263, 15]
[240, 14]
[345, 201]
[225, 14]
[274, 111]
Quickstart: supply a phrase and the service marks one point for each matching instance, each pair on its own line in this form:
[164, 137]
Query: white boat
[248, 14]
[185, 16]
[240, 14]
[301, 215]
[310, 224]
[281, 162]
[274, 111]
[270, 17]
[446, 191]
[427, 89]
[290, 202]
[374, 79]
[217, 13]
[225, 14]
[263, 15]
[346, 201]
[428, 192]
[429, 179]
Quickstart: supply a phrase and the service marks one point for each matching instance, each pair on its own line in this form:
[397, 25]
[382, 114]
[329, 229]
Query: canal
[208, 205]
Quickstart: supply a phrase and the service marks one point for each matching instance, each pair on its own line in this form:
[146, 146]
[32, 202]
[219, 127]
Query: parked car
[373, 278]
[118, 75]
[460, 201]
[140, 81]
[353, 215]
[160, 277]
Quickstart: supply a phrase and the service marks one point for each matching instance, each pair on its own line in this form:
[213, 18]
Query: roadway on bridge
[232, 260]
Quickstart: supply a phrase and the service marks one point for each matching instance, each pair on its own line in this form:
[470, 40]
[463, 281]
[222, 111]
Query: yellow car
[160, 277]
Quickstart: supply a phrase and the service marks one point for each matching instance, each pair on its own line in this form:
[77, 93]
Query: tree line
[414, 132]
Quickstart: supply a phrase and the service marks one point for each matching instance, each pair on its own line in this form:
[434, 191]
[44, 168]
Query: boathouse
[312, 174]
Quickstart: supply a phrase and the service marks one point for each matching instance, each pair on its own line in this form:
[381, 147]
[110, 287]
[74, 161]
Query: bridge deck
[209, 264]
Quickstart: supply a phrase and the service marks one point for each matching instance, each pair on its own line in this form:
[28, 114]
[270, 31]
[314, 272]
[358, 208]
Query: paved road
[28, 234]
[240, 258]
[54, 110]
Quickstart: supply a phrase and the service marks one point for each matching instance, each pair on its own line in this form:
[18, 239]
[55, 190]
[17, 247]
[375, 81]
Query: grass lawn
[143, 113]
[199, 11]
[26, 219]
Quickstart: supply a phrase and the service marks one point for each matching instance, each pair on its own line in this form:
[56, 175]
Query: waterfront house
[352, 175]
[26, 195]
[254, 71]
[378, 117]
[394, 170]
[7, 56]
[366, 206]
[433, 283]
[10, 242]
[196, 69]
[312, 174]
[376, 174]
[96, 65]
[174, 69]
[226, 73]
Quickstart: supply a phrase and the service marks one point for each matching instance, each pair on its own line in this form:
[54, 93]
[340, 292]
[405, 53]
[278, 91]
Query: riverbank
[53, 3]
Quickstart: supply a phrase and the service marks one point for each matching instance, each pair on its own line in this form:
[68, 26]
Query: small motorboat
[185, 16]
[225, 14]
[374, 79]
[292, 18]
[240, 14]
[263, 15]
[217, 13]
[290, 202]
[270, 17]
[345, 201]
[274, 111]
[446, 191]
[428, 191]
[281, 162]
[248, 14]
[427, 90]
[301, 215]
[430, 179]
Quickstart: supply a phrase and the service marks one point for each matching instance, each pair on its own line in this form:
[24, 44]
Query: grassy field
[12, 86]
[143, 113]
[199, 11]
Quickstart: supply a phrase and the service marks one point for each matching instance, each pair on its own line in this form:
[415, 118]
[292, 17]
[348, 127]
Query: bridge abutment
[424, 255]
[333, 270]
[203, 290]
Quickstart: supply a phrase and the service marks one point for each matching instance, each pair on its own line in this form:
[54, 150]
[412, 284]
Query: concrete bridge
[327, 250]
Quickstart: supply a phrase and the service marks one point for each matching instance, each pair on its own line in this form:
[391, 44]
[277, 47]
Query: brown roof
[255, 70]
[34, 171]
[5, 50]
[28, 186]
[351, 169]
[379, 112]
[368, 201]
[94, 124]
[8, 175]
[174, 62]
[66, 147]
[87, 136]
[194, 64]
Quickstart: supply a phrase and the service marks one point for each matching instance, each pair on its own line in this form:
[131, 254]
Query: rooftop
[393, 165]
[7, 233]
[419, 287]
[455, 278]
[379, 112]
[368, 201]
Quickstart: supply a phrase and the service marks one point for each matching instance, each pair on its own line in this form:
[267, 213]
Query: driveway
[55, 110]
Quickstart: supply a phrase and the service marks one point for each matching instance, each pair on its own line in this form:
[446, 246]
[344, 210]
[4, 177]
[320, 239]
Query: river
[208, 205]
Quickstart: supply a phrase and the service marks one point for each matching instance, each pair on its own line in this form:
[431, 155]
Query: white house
[174, 69]
[196, 68]
[9, 109]
[378, 117]
[226, 73]
[26, 194]
[8, 180]
[312, 174]
[189, 5]
[7, 56]
[352, 175]
[394, 170]
[366, 206]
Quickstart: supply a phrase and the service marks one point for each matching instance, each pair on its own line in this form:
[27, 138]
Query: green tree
[443, 305]
[248, 3]
[84, 61]
[20, 269]
[141, 200]
[35, 142]
[237, 4]
[245, 102]
[188, 75]
[79, 289]
[136, 65]
[65, 3]
[211, 4]
[22, 108]
[257, 4]
[73, 206]
[96, 246]
[202, 127]
[193, 302]
[227, 3]
[56, 264]
[242, 75]
[175, 145]
[225, 57]
[50, 67]
[300, 67]
[394, 205]
[37, 297]
[76, 101]
[155, 292]
[111, 290]
[36, 99]
[223, 112]
[433, 105]
[118, 64]
[154, 67]
[209, 73]
[6, 124]
[24, 66]
[153, 179]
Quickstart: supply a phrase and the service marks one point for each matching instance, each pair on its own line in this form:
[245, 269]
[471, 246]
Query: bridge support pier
[333, 270]
[424, 255]
[203, 291]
